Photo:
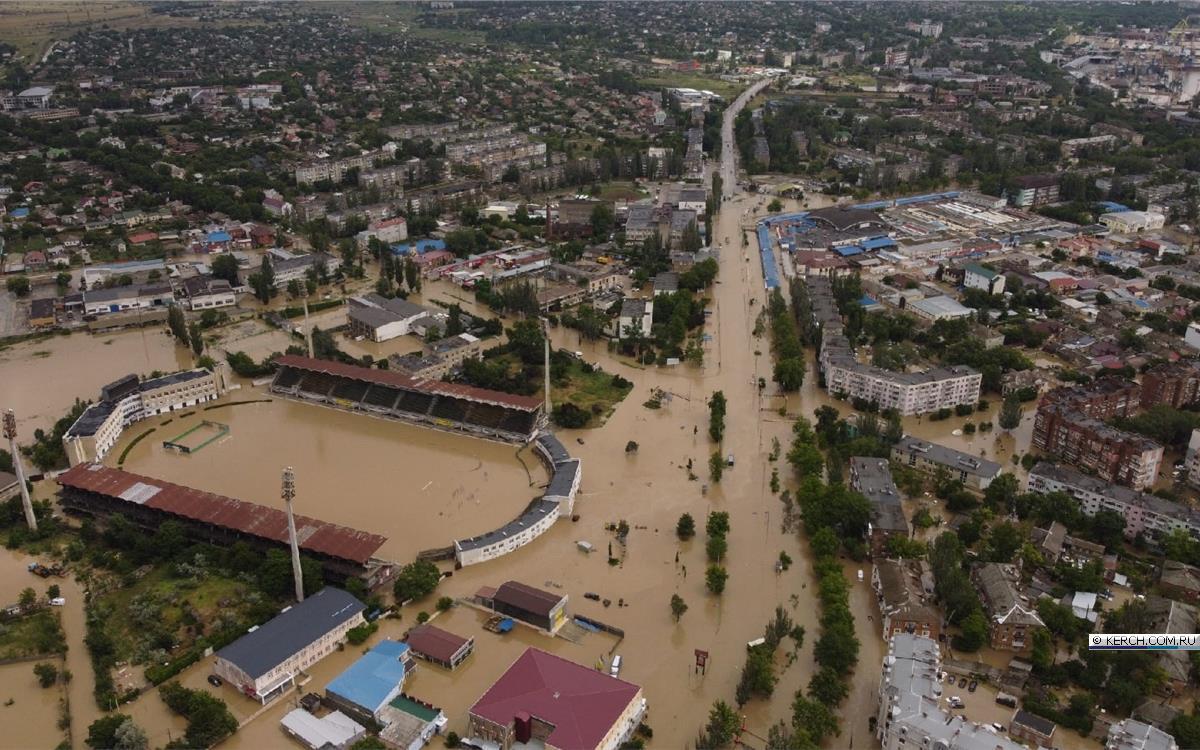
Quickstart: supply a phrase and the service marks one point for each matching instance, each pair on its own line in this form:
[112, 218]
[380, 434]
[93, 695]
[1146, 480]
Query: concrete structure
[1130, 734]
[908, 393]
[910, 712]
[1035, 190]
[1175, 384]
[546, 701]
[381, 319]
[409, 723]
[1179, 581]
[1145, 514]
[1071, 423]
[130, 400]
[125, 298]
[636, 315]
[1133, 222]
[1011, 617]
[872, 478]
[902, 591]
[974, 472]
[264, 662]
[1175, 618]
[976, 276]
[335, 731]
[1191, 461]
[933, 309]
[541, 609]
[207, 293]
[440, 358]
[371, 683]
[439, 646]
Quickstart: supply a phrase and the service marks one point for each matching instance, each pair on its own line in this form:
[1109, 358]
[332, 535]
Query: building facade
[1011, 617]
[974, 472]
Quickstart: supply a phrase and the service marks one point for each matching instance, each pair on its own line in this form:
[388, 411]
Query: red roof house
[567, 706]
[439, 646]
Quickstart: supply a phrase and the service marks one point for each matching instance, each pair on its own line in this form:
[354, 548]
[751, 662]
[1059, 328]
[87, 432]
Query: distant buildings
[933, 309]
[333, 731]
[557, 703]
[1191, 461]
[910, 710]
[1144, 514]
[265, 662]
[333, 170]
[130, 400]
[974, 472]
[125, 298]
[1176, 384]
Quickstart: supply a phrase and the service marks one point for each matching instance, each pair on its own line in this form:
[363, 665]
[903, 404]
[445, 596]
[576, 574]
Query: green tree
[715, 548]
[685, 528]
[602, 220]
[774, 206]
[716, 467]
[723, 724]
[717, 523]
[715, 577]
[130, 736]
[46, 673]
[1010, 412]
[827, 687]
[444, 603]
[62, 280]
[678, 606]
[102, 733]
[27, 598]
[225, 266]
[813, 718]
[178, 324]
[197, 338]
[974, 632]
[18, 285]
[716, 416]
[789, 373]
[416, 581]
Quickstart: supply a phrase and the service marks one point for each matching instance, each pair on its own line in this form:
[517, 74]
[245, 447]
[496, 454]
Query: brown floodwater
[41, 379]
[420, 488]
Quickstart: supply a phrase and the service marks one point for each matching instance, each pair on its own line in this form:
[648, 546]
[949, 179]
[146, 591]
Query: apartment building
[1175, 384]
[872, 478]
[974, 472]
[266, 661]
[1012, 618]
[903, 589]
[1130, 734]
[908, 393]
[335, 169]
[1113, 455]
[910, 709]
[1145, 514]
[130, 400]
[1191, 461]
[1035, 190]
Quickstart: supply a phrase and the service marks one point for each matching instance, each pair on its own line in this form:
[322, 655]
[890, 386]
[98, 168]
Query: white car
[57, 601]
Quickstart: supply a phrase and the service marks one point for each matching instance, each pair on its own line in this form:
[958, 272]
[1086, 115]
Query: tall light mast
[10, 432]
[289, 493]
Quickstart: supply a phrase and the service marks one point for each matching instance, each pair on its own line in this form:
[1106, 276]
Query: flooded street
[41, 379]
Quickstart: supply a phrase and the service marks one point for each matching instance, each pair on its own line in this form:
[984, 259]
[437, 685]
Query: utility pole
[289, 493]
[10, 432]
[307, 327]
[546, 364]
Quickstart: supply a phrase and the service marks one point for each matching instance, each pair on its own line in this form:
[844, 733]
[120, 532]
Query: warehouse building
[541, 609]
[440, 647]
[264, 662]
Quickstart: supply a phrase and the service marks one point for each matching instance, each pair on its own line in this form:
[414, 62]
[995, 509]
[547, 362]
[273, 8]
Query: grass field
[399, 18]
[593, 391]
[36, 635]
[616, 191]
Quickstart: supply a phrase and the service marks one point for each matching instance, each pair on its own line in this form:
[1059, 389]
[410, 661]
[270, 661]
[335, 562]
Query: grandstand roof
[315, 536]
[398, 380]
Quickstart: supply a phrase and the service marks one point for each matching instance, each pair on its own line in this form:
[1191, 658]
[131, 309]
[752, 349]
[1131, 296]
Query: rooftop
[268, 646]
[435, 643]
[949, 457]
[527, 597]
[581, 704]
[370, 681]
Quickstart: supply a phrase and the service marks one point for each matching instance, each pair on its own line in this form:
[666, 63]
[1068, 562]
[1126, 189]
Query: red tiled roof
[398, 380]
[434, 642]
[581, 703]
[196, 505]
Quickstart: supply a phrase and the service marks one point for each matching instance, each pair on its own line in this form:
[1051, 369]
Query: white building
[1192, 336]
[1191, 463]
[939, 308]
[1145, 514]
[130, 400]
[381, 319]
[388, 231]
[123, 298]
[636, 315]
[1132, 222]
[912, 711]
[1131, 734]
[974, 472]
[334, 731]
[976, 276]
[265, 662]
[908, 393]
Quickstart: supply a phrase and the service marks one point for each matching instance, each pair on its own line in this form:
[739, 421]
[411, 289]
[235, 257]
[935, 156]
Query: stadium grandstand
[103, 491]
[431, 403]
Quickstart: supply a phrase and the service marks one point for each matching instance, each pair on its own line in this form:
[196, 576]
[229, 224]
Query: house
[1130, 734]
[1011, 617]
[335, 731]
[265, 662]
[557, 704]
[1179, 581]
[372, 682]
[976, 276]
[439, 646]
[666, 282]
[1049, 541]
[208, 292]
[636, 316]
[536, 607]
[1032, 728]
[902, 590]
[381, 319]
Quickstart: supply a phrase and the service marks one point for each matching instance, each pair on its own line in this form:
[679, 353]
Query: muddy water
[420, 488]
[41, 379]
[32, 719]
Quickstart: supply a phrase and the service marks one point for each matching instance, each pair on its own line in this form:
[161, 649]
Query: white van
[615, 668]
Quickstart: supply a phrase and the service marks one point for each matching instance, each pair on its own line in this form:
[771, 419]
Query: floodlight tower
[10, 432]
[289, 493]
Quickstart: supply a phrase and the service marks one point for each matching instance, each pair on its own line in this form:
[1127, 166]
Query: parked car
[215, 681]
[971, 688]
[956, 702]
[962, 681]
[997, 726]
[615, 668]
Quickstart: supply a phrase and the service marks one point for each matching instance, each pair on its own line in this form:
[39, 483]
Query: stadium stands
[432, 403]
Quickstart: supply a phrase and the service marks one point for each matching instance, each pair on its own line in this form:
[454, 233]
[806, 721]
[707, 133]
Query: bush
[715, 578]
[686, 527]
[570, 416]
[416, 581]
[422, 617]
[359, 634]
[444, 603]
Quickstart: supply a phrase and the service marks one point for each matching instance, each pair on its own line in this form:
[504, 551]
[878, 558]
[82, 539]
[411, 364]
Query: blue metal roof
[1113, 207]
[877, 242]
[19, 213]
[219, 237]
[371, 681]
[866, 301]
[846, 250]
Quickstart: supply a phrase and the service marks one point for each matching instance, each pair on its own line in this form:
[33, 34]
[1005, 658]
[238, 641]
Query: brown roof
[398, 380]
[260, 521]
[435, 643]
[527, 597]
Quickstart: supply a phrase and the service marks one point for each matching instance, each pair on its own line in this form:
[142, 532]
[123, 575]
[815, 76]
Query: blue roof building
[219, 236]
[19, 213]
[420, 247]
[373, 681]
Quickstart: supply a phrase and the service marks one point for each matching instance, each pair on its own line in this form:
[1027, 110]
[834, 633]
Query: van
[615, 668]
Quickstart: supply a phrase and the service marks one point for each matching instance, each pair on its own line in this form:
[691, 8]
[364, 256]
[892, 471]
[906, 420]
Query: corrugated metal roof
[435, 643]
[398, 380]
[196, 505]
[527, 597]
